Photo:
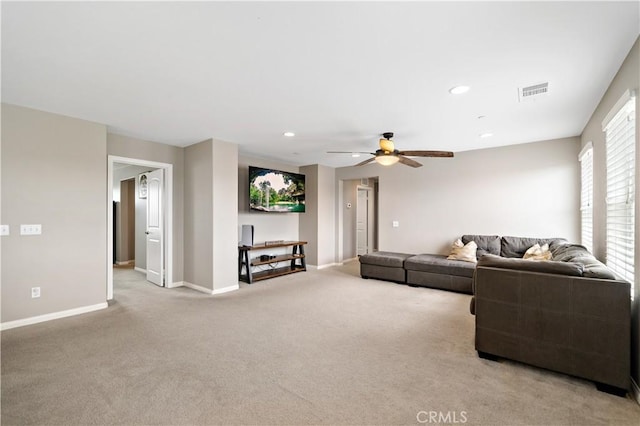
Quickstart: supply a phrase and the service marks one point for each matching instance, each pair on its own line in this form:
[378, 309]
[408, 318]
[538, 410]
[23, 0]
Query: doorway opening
[358, 218]
[124, 169]
[364, 220]
[125, 203]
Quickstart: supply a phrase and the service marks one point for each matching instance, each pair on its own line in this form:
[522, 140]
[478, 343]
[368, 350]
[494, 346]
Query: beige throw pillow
[536, 252]
[464, 252]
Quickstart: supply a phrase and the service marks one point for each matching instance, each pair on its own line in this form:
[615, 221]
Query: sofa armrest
[575, 325]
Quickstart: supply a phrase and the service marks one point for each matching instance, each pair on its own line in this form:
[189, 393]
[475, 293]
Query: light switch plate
[4, 230]
[396, 224]
[30, 229]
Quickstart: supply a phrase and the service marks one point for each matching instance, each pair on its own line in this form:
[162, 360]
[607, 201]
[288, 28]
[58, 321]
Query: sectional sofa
[435, 270]
[570, 314]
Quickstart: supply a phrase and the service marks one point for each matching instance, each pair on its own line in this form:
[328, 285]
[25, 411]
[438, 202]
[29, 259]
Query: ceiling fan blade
[408, 161]
[427, 153]
[362, 163]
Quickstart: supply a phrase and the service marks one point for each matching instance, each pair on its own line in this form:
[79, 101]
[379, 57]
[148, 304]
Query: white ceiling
[337, 74]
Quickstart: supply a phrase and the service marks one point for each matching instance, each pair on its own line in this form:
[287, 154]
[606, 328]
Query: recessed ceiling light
[289, 134]
[355, 155]
[486, 135]
[458, 90]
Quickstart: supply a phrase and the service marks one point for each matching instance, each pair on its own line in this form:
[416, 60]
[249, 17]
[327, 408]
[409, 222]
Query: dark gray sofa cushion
[566, 252]
[438, 264]
[383, 273]
[385, 258]
[543, 266]
[517, 246]
[440, 281]
[487, 244]
[575, 253]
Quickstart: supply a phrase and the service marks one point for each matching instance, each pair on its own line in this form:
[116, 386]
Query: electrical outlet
[395, 224]
[30, 229]
[35, 292]
[4, 230]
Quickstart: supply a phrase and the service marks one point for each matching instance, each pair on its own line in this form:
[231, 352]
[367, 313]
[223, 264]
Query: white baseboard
[209, 291]
[125, 262]
[135, 268]
[176, 284]
[328, 265]
[349, 260]
[52, 316]
[635, 391]
[226, 289]
[197, 287]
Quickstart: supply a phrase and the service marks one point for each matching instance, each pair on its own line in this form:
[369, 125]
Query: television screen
[275, 191]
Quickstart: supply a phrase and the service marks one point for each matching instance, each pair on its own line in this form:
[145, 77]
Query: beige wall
[326, 202]
[53, 173]
[124, 146]
[198, 214]
[627, 78]
[318, 223]
[308, 225]
[225, 215]
[523, 190]
[211, 215]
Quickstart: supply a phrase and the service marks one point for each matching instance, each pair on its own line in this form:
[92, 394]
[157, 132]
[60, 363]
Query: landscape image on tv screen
[275, 191]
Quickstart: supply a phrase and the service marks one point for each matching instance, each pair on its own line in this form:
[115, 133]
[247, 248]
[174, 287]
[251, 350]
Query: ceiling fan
[388, 154]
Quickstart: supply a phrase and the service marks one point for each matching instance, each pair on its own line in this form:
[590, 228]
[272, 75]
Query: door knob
[147, 232]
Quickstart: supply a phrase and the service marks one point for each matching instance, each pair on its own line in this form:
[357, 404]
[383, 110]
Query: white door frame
[168, 210]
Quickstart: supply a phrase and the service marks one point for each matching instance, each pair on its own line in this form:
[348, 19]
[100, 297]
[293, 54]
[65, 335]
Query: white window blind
[620, 148]
[586, 196]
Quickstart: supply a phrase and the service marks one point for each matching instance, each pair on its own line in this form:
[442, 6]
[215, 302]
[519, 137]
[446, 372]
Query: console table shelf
[283, 258]
[296, 261]
[277, 272]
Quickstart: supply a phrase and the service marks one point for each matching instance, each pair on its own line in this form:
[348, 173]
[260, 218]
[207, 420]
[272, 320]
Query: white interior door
[362, 222]
[155, 225]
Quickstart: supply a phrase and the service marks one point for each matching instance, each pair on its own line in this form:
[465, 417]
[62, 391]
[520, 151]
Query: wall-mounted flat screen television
[275, 191]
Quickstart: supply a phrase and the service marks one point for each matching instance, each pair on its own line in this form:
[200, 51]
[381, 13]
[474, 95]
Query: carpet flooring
[321, 347]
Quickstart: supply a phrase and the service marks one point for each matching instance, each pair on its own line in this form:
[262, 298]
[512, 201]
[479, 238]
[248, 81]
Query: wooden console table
[296, 259]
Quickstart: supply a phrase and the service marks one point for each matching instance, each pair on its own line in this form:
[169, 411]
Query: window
[619, 127]
[586, 195]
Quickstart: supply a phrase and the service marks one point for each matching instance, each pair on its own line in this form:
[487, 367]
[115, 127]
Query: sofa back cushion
[487, 244]
[517, 246]
[563, 251]
[542, 266]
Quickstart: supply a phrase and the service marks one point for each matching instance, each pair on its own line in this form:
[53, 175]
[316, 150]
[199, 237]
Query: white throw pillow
[536, 252]
[464, 252]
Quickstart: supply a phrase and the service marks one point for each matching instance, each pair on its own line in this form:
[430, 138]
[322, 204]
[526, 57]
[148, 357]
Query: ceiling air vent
[533, 92]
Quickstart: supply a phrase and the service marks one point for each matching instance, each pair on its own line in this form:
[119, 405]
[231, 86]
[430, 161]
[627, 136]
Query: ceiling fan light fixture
[387, 145]
[387, 160]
